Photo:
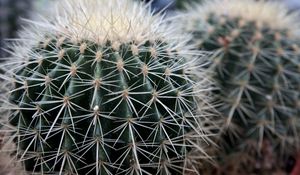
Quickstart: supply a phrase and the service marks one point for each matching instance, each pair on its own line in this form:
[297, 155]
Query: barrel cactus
[106, 88]
[257, 66]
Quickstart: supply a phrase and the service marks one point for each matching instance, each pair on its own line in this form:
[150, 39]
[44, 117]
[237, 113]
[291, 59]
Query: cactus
[257, 67]
[106, 88]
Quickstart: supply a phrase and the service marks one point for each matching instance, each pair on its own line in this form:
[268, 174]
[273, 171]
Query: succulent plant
[257, 67]
[106, 88]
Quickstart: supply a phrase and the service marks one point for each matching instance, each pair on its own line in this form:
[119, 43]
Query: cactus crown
[83, 20]
[249, 10]
[105, 88]
[256, 64]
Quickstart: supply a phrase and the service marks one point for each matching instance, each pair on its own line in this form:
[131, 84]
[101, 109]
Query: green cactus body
[107, 98]
[256, 65]
[107, 106]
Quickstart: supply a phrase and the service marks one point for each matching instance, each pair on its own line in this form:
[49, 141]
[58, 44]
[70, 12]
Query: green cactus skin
[112, 100]
[86, 103]
[257, 67]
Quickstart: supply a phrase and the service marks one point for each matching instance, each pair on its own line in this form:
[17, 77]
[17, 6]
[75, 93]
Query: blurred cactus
[257, 66]
[106, 88]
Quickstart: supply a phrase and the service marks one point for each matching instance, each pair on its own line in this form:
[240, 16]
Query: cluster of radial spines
[119, 21]
[257, 68]
[115, 108]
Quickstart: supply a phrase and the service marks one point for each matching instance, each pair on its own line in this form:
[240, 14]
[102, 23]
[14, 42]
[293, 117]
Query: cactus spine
[257, 67]
[105, 88]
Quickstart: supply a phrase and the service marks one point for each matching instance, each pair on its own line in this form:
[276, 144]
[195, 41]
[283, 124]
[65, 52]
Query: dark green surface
[105, 112]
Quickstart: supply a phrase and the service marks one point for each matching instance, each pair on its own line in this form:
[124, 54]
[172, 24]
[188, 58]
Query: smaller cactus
[257, 67]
